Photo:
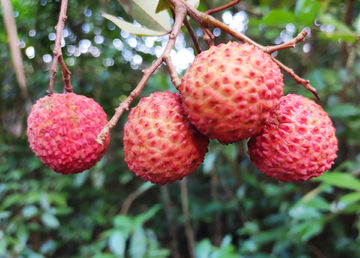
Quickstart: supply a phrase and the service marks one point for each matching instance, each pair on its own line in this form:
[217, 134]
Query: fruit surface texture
[62, 129]
[298, 144]
[230, 90]
[160, 144]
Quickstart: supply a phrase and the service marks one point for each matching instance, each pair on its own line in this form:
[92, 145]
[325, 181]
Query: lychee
[298, 144]
[160, 144]
[62, 129]
[229, 91]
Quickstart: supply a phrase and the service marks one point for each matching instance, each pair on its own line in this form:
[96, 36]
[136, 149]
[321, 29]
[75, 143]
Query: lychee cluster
[62, 129]
[229, 93]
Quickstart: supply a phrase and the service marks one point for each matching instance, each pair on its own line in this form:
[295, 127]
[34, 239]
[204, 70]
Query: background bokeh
[235, 210]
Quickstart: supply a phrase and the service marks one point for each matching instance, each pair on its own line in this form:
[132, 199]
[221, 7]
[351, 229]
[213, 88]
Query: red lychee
[298, 144]
[160, 144]
[230, 90]
[62, 129]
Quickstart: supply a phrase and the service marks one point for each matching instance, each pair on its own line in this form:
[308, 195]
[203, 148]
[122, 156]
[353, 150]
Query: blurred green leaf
[117, 243]
[29, 211]
[350, 198]
[50, 220]
[307, 229]
[124, 223]
[342, 180]
[203, 249]
[279, 18]
[142, 218]
[304, 213]
[343, 110]
[306, 11]
[138, 243]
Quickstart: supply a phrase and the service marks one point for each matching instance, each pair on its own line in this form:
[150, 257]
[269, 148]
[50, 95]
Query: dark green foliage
[235, 210]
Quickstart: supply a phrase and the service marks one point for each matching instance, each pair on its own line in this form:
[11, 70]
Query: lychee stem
[205, 21]
[297, 78]
[58, 54]
[193, 36]
[221, 8]
[290, 44]
[180, 12]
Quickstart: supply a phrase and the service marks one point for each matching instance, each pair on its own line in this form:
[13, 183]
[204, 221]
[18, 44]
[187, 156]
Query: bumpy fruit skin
[62, 129]
[298, 144]
[230, 90]
[160, 144]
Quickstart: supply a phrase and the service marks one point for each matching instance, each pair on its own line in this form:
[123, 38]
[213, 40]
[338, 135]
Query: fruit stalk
[180, 14]
[58, 54]
[205, 21]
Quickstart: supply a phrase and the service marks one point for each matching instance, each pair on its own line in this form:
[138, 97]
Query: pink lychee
[62, 129]
[298, 144]
[230, 90]
[160, 144]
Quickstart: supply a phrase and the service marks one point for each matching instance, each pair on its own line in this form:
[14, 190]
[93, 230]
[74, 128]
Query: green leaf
[133, 29]
[335, 36]
[5, 214]
[162, 5]
[48, 247]
[343, 110]
[349, 199]
[121, 221]
[50, 220]
[143, 11]
[338, 179]
[304, 213]
[339, 25]
[306, 11]
[142, 218]
[279, 18]
[203, 249]
[341, 31]
[117, 243]
[138, 243]
[29, 211]
[307, 230]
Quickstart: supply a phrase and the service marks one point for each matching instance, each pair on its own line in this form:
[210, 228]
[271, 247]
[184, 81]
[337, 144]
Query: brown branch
[185, 207]
[180, 12]
[131, 198]
[290, 44]
[297, 78]
[205, 21]
[66, 75]
[221, 8]
[193, 36]
[58, 54]
[10, 25]
[175, 79]
[169, 211]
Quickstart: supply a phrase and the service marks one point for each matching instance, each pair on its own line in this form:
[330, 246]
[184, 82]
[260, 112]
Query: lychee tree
[243, 196]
